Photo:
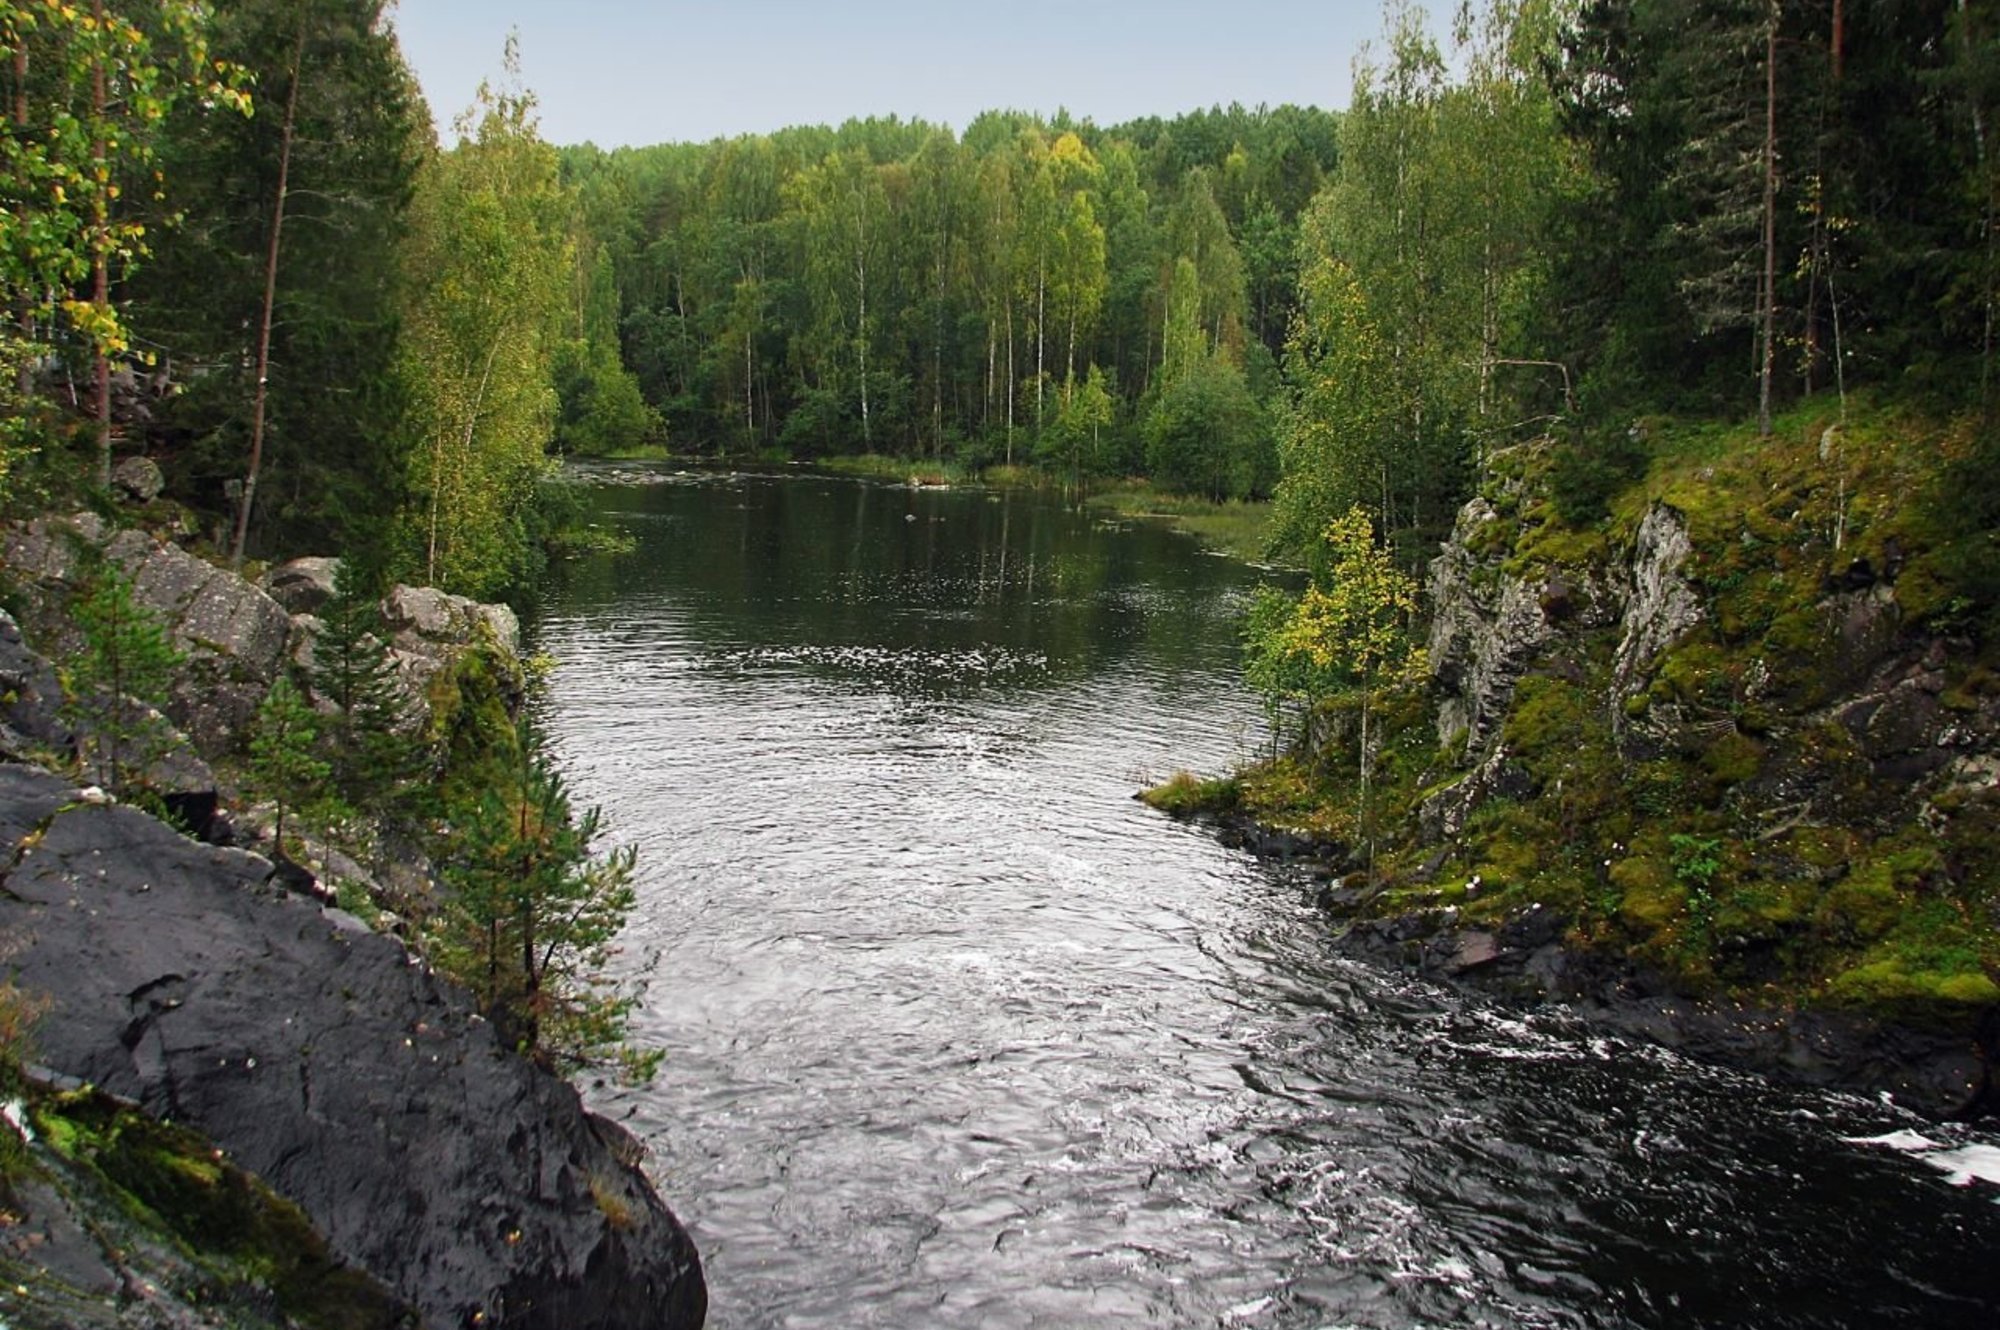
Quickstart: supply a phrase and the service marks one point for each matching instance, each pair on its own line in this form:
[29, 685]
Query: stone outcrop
[236, 635]
[320, 1056]
[233, 635]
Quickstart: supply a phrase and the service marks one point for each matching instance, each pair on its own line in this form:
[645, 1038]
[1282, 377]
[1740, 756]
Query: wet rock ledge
[321, 1057]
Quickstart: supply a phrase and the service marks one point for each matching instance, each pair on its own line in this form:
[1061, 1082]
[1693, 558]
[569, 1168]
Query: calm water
[958, 1035]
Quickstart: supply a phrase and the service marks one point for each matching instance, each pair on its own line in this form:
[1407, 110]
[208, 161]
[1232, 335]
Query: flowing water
[959, 1035]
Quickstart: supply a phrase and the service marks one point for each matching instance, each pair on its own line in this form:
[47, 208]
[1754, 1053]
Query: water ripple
[958, 1035]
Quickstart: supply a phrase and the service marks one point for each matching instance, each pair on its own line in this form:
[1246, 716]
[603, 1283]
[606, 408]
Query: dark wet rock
[1938, 1072]
[76, 1254]
[322, 1058]
[1474, 950]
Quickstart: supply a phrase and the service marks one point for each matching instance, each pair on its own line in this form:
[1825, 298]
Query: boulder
[320, 1056]
[139, 479]
[424, 618]
[302, 586]
[233, 635]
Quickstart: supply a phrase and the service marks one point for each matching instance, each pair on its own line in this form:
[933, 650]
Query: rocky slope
[1721, 766]
[321, 1057]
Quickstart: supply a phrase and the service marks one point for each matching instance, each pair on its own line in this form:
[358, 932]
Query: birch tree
[489, 263]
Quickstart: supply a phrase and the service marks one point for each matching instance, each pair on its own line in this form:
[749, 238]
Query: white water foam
[1962, 1166]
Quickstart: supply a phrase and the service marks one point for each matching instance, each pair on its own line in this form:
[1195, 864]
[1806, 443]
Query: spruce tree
[116, 680]
[373, 753]
[283, 767]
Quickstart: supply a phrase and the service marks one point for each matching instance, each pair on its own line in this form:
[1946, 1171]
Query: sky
[617, 72]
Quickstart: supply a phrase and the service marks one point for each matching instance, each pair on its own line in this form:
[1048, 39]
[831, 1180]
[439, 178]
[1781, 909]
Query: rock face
[29, 698]
[237, 635]
[323, 1059]
[233, 634]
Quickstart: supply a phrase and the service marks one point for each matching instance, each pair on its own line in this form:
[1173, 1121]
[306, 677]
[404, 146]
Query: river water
[959, 1035]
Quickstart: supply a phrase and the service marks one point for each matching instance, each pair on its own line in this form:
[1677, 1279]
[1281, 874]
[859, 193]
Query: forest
[234, 243]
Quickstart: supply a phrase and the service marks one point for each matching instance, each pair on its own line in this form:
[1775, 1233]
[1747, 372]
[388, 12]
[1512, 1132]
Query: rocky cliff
[1722, 763]
[323, 1058]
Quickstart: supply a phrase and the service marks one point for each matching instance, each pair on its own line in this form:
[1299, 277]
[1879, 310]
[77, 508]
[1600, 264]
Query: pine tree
[374, 755]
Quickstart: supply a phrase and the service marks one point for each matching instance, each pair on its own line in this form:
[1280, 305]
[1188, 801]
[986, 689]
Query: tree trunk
[100, 265]
[1770, 283]
[257, 408]
[1010, 381]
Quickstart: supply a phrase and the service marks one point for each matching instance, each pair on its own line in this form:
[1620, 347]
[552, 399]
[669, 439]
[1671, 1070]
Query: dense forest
[233, 243]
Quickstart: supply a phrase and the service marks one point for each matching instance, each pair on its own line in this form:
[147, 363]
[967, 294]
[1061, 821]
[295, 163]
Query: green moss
[1889, 983]
[252, 1245]
[1649, 898]
[1733, 759]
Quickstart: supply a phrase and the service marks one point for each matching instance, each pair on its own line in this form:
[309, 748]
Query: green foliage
[1590, 471]
[1696, 859]
[121, 673]
[1185, 794]
[69, 157]
[601, 412]
[283, 766]
[374, 755]
[487, 262]
[1205, 434]
[530, 913]
[331, 473]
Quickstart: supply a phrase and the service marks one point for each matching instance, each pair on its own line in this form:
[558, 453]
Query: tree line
[232, 240]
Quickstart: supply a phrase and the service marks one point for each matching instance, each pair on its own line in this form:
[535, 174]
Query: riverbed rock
[325, 1059]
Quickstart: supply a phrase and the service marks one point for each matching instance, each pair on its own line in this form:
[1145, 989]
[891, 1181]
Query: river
[957, 1034]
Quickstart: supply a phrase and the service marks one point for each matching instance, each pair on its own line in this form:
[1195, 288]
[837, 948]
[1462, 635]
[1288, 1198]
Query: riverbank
[201, 972]
[1732, 747]
[1235, 528]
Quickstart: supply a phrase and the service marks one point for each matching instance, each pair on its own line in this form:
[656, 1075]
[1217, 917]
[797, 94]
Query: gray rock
[139, 479]
[1662, 606]
[424, 618]
[303, 586]
[1487, 629]
[354, 1082]
[30, 698]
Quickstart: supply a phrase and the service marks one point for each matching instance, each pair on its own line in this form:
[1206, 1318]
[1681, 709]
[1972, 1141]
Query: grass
[1236, 528]
[908, 470]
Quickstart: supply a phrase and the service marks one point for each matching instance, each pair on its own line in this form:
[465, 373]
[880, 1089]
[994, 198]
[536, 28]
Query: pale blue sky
[629, 71]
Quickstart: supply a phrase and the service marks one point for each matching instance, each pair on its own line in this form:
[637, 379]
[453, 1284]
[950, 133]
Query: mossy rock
[1733, 759]
[1888, 983]
[1649, 898]
[253, 1247]
[1860, 908]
